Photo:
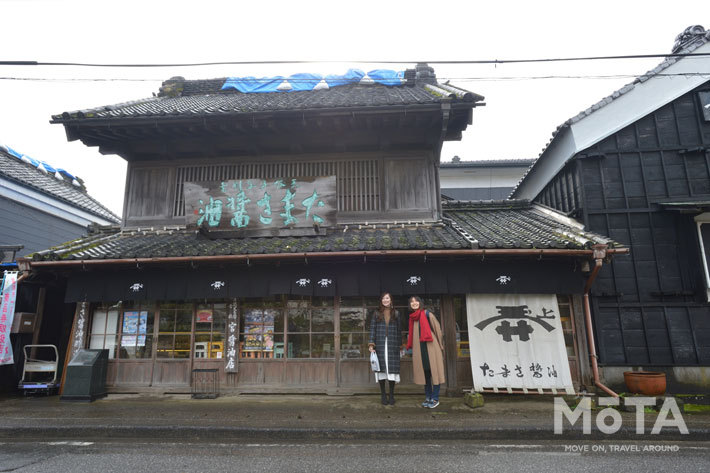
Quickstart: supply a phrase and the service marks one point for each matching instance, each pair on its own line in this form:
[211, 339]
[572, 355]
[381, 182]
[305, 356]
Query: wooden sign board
[262, 206]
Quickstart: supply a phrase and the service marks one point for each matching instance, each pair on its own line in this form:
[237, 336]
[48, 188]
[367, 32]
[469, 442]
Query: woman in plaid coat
[386, 341]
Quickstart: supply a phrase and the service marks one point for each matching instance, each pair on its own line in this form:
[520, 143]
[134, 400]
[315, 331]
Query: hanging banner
[7, 314]
[80, 322]
[516, 342]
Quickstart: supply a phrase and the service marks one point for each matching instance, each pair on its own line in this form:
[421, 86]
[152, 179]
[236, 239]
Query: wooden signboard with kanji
[293, 205]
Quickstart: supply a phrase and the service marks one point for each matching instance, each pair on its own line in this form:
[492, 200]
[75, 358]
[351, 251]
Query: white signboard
[516, 342]
[7, 313]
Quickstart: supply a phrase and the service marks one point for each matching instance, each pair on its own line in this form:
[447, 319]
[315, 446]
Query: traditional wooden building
[636, 167]
[264, 218]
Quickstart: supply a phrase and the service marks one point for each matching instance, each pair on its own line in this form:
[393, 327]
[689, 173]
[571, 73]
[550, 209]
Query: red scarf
[425, 329]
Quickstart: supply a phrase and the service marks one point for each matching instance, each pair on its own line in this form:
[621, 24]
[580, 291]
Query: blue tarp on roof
[36, 163]
[308, 81]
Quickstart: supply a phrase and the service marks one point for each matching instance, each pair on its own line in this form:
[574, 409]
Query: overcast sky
[517, 122]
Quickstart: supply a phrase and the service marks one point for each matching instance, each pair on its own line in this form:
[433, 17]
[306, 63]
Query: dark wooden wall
[372, 186]
[650, 308]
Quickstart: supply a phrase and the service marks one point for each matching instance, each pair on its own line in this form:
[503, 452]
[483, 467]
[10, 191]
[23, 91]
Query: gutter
[600, 252]
[26, 264]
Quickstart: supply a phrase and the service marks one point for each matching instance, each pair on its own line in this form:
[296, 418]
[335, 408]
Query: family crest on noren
[424, 339]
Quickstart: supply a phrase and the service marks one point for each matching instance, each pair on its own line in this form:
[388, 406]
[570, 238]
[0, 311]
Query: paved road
[356, 456]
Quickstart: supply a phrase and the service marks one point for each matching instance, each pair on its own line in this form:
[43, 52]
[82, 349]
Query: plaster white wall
[480, 177]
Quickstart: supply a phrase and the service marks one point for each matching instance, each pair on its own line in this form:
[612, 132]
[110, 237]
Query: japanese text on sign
[79, 331]
[7, 313]
[517, 342]
[232, 334]
[248, 204]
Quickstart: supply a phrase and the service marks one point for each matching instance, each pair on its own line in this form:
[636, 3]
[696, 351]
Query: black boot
[391, 393]
[383, 393]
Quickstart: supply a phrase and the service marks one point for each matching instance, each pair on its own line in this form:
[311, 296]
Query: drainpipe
[598, 255]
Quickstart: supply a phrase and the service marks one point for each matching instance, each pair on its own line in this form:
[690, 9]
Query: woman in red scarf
[427, 351]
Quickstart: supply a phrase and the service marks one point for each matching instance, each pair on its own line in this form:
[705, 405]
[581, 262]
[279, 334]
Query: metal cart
[46, 381]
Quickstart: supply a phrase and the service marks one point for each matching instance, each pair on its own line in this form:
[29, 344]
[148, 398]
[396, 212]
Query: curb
[244, 433]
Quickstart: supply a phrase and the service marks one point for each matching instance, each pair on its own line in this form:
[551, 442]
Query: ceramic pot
[649, 383]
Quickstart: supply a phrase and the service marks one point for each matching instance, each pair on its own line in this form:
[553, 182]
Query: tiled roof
[688, 41]
[517, 224]
[494, 224]
[180, 98]
[15, 170]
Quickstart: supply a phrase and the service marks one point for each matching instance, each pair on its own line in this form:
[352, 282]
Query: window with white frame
[104, 328]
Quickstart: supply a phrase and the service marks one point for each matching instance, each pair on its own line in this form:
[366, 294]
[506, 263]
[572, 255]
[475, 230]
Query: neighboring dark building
[40, 207]
[260, 228]
[481, 180]
[636, 167]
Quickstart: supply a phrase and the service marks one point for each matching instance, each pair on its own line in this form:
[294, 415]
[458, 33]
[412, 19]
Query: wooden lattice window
[358, 182]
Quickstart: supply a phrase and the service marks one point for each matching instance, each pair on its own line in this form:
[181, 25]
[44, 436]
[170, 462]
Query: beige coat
[435, 349]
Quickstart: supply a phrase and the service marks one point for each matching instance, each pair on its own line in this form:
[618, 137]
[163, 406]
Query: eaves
[306, 112]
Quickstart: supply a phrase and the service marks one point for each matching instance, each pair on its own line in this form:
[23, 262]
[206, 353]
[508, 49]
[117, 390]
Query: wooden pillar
[38, 321]
[336, 329]
[450, 351]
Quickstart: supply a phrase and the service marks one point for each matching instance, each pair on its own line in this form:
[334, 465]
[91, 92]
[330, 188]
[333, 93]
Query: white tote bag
[374, 362]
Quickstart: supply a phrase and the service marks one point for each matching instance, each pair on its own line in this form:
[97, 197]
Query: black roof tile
[180, 97]
[29, 176]
[485, 224]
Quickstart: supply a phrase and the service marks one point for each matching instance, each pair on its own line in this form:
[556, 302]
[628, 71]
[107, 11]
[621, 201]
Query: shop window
[355, 321]
[461, 319]
[104, 329]
[209, 330]
[137, 330]
[262, 325]
[310, 328]
[565, 306]
[174, 330]
[356, 314]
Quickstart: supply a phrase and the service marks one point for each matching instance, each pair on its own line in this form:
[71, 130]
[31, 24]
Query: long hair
[381, 308]
[409, 303]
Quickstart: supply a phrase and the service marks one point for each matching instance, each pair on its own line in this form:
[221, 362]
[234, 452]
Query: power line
[462, 79]
[242, 63]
